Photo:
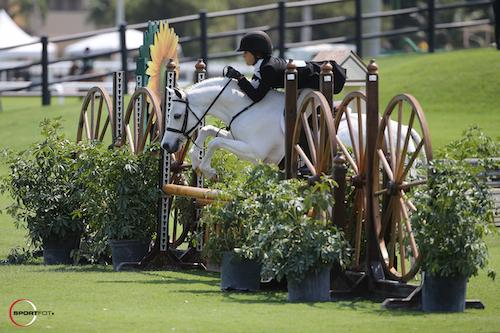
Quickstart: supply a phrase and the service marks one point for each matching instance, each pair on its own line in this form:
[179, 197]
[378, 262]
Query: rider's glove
[233, 73]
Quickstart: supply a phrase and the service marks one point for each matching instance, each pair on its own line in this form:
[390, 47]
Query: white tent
[105, 43]
[11, 35]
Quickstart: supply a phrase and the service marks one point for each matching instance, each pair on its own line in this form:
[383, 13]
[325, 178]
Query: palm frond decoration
[164, 48]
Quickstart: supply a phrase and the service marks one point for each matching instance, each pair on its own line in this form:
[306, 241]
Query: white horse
[255, 135]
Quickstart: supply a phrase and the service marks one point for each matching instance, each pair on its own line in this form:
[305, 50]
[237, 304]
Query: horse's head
[181, 123]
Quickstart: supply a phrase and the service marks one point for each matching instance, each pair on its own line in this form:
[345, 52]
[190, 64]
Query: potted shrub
[42, 183]
[454, 212]
[227, 230]
[227, 224]
[293, 237]
[121, 195]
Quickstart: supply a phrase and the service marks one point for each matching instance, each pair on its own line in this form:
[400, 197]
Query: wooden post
[200, 71]
[290, 115]
[326, 82]
[165, 162]
[118, 106]
[339, 172]
[372, 122]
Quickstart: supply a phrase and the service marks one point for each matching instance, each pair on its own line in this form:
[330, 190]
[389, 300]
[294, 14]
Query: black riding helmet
[256, 41]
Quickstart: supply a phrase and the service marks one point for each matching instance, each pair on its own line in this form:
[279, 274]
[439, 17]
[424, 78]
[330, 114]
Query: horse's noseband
[187, 110]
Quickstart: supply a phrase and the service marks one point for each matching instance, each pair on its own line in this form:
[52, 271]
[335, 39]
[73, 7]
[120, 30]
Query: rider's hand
[233, 73]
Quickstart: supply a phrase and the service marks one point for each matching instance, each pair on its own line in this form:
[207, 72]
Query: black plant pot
[58, 251]
[238, 273]
[127, 250]
[443, 294]
[315, 287]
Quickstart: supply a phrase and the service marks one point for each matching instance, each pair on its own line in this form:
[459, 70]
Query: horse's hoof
[195, 164]
[210, 173]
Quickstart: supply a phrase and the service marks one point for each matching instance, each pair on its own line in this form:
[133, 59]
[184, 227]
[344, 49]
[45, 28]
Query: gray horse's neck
[203, 94]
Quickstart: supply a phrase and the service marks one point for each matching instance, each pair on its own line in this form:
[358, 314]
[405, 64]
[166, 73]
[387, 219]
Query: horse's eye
[177, 116]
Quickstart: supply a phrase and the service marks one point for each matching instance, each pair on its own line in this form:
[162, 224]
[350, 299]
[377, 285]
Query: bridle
[187, 110]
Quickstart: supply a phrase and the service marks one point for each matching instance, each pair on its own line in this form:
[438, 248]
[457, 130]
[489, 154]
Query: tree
[21, 10]
[102, 12]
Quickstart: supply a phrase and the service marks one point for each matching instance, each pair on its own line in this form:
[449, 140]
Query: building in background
[61, 16]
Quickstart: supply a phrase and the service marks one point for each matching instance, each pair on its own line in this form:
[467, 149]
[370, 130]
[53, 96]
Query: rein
[238, 114]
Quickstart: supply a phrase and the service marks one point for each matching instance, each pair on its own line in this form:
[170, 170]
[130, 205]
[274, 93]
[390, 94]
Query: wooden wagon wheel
[352, 111]
[96, 112]
[313, 141]
[399, 166]
[149, 126]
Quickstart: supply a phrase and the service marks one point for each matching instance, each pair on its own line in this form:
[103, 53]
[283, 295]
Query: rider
[269, 71]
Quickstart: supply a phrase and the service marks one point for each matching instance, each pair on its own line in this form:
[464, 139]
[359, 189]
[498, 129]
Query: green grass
[95, 299]
[456, 89]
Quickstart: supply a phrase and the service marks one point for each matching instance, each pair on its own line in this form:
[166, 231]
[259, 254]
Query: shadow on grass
[78, 269]
[255, 298]
[370, 306]
[163, 277]
[197, 277]
[373, 305]
[6, 263]
[361, 305]
[241, 296]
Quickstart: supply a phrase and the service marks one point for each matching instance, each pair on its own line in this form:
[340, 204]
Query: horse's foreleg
[203, 134]
[239, 148]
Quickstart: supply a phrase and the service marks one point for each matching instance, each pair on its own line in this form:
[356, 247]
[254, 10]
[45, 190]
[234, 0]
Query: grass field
[95, 299]
[456, 89]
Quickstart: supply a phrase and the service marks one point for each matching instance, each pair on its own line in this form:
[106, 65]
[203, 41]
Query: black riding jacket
[272, 71]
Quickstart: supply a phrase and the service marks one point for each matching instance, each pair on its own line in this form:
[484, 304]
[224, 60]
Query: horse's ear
[178, 93]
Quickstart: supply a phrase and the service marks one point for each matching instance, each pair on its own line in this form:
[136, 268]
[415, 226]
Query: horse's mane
[208, 82]
[219, 82]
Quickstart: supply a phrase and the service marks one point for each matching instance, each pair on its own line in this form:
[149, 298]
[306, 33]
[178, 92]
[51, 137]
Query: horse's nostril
[165, 146]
